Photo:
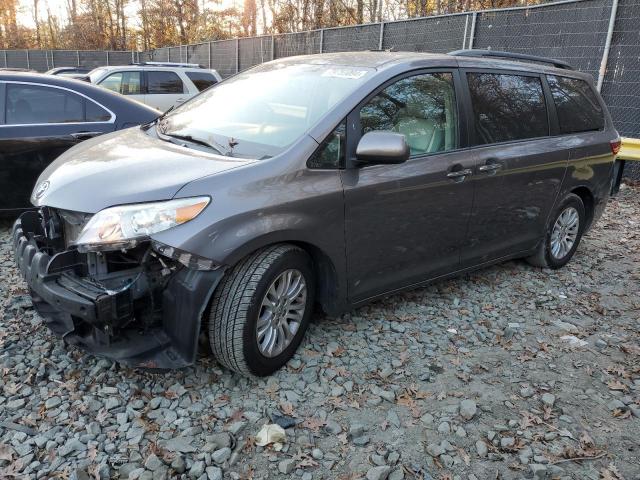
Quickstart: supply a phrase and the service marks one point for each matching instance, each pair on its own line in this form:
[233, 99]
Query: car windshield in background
[259, 113]
[95, 74]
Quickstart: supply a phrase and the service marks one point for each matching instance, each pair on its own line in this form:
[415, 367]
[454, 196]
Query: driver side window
[421, 107]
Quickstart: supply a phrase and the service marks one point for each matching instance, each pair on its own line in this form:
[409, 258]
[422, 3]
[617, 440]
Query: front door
[39, 123]
[520, 166]
[406, 223]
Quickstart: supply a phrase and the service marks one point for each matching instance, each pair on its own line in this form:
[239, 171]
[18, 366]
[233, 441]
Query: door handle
[85, 135]
[459, 174]
[490, 168]
[180, 100]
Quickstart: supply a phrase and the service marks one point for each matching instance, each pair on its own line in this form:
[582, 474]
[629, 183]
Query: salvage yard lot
[467, 378]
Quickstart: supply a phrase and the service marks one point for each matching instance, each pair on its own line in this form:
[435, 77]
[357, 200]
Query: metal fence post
[5, 59]
[133, 57]
[210, 62]
[107, 52]
[381, 39]
[273, 47]
[321, 39]
[78, 57]
[607, 45]
[53, 61]
[237, 55]
[473, 29]
[186, 53]
[464, 35]
[28, 62]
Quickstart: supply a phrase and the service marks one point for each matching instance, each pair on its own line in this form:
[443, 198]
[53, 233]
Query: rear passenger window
[202, 80]
[164, 83]
[33, 104]
[577, 106]
[507, 107]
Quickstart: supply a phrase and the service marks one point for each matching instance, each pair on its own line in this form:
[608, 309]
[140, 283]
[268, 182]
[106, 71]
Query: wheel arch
[330, 282]
[588, 200]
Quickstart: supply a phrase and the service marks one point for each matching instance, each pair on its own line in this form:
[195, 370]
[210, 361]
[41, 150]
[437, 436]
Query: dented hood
[128, 166]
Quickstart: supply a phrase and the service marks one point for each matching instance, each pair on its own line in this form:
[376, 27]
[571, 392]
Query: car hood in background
[128, 166]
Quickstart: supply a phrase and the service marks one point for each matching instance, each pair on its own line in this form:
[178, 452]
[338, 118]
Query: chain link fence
[43, 60]
[600, 37]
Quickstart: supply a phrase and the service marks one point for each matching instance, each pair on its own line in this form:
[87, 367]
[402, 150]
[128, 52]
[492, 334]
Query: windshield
[259, 113]
[95, 74]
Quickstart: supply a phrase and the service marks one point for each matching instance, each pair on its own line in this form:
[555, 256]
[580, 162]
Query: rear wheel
[563, 234]
[261, 310]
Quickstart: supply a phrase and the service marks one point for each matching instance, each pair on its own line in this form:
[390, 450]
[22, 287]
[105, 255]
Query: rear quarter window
[577, 105]
[202, 80]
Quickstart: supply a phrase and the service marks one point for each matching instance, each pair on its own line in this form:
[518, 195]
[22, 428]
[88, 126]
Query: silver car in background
[160, 85]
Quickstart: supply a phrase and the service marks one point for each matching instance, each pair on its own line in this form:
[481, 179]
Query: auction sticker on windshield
[345, 72]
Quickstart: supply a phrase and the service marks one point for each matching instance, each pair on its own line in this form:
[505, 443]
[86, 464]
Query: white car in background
[157, 84]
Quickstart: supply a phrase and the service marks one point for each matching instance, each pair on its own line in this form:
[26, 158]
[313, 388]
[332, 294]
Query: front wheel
[261, 310]
[563, 234]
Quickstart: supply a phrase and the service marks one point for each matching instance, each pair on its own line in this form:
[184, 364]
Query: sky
[59, 9]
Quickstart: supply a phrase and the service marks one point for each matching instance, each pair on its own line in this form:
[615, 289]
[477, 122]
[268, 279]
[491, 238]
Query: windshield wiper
[197, 141]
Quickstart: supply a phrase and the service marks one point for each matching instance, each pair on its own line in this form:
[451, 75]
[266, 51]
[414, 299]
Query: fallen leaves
[586, 450]
[622, 414]
[611, 473]
[617, 385]
[529, 420]
[630, 348]
[618, 370]
[287, 409]
[6, 452]
[406, 399]
[586, 442]
[313, 423]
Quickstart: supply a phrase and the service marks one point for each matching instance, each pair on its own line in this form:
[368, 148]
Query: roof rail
[170, 64]
[512, 56]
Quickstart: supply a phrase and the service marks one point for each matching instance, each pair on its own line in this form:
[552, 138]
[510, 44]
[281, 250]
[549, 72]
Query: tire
[545, 257]
[238, 302]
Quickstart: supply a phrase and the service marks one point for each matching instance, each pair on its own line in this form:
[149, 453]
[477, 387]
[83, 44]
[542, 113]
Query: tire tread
[231, 303]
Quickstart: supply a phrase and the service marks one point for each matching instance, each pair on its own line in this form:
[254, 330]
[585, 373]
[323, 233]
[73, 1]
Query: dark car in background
[41, 116]
[332, 179]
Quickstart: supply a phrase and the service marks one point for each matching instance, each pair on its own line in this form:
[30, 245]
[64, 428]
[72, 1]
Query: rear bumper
[86, 314]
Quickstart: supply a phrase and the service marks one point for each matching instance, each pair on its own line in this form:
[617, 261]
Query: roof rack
[170, 64]
[512, 56]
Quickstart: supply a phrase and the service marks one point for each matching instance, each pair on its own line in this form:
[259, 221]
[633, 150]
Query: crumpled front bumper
[81, 311]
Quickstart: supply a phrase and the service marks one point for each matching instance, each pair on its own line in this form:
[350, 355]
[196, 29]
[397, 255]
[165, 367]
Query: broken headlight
[125, 226]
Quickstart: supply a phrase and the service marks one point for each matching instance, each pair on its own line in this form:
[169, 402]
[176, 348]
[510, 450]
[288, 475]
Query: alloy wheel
[565, 232]
[281, 312]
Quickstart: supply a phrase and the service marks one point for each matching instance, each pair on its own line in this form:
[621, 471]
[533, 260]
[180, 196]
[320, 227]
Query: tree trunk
[36, 20]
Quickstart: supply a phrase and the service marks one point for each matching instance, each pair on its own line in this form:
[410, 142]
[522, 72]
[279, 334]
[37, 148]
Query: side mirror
[382, 148]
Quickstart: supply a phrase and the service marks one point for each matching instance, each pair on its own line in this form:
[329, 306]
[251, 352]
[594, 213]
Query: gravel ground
[509, 372]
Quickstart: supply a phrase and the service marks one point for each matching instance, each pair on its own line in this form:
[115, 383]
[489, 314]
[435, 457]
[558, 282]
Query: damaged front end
[141, 305]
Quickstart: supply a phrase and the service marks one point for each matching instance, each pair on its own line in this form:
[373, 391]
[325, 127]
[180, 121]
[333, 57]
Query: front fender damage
[137, 307]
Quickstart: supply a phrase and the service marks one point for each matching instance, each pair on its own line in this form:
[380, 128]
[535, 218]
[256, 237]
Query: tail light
[615, 145]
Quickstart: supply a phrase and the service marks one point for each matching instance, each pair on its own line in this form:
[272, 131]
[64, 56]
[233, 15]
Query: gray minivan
[327, 179]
